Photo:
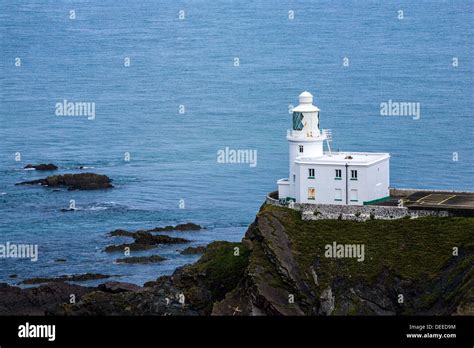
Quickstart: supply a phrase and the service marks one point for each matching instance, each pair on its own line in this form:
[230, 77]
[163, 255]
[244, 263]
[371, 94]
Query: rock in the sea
[68, 209]
[121, 233]
[144, 241]
[193, 250]
[75, 278]
[141, 259]
[42, 166]
[189, 226]
[148, 238]
[82, 181]
[129, 246]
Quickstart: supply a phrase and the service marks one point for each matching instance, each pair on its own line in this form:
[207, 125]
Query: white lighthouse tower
[322, 177]
[304, 139]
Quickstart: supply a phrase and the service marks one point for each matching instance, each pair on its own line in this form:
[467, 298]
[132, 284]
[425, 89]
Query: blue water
[191, 62]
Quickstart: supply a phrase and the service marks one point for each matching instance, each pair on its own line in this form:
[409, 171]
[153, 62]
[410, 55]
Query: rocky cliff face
[411, 266]
[282, 267]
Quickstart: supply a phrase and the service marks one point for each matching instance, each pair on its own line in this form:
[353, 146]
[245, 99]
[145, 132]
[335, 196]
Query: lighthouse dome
[306, 98]
[306, 103]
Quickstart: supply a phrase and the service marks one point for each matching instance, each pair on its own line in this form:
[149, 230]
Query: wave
[105, 206]
[227, 225]
[98, 207]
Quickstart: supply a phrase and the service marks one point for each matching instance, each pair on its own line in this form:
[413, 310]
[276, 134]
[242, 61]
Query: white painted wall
[310, 148]
[325, 183]
[284, 189]
[378, 181]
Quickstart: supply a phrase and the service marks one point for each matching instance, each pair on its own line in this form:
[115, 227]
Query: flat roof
[341, 158]
[435, 200]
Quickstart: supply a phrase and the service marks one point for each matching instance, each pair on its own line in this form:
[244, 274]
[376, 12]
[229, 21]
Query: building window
[311, 173]
[338, 195]
[354, 197]
[294, 178]
[311, 193]
[353, 174]
[338, 174]
[301, 149]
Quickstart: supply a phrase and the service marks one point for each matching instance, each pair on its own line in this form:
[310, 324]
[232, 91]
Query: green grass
[415, 249]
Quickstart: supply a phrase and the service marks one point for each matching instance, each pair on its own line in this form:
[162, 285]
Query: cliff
[408, 268]
[281, 268]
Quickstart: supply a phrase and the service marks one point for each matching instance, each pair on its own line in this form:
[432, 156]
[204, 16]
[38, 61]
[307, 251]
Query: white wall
[310, 148]
[326, 184]
[284, 190]
[378, 181]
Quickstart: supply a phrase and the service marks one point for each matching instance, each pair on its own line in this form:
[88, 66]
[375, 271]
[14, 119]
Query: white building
[325, 177]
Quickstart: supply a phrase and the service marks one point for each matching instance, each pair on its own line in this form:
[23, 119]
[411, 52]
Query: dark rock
[63, 278]
[13, 275]
[148, 238]
[191, 290]
[68, 209]
[181, 227]
[143, 241]
[193, 250]
[43, 300]
[49, 166]
[151, 301]
[189, 226]
[141, 259]
[130, 246]
[117, 287]
[60, 260]
[83, 181]
[121, 233]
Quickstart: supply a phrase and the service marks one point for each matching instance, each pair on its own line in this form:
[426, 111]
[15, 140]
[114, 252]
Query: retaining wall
[354, 212]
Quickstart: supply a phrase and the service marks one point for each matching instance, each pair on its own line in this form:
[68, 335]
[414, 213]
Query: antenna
[328, 134]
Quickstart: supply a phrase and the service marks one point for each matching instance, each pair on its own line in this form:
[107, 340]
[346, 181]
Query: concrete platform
[461, 202]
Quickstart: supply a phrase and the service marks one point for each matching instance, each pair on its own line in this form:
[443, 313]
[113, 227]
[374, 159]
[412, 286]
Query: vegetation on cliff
[413, 248]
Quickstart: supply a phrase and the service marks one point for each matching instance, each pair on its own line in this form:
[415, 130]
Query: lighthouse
[324, 177]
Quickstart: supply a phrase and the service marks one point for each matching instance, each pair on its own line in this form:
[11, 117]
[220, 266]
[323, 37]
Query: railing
[303, 134]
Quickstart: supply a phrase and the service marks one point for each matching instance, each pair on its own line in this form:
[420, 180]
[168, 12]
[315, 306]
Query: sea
[172, 83]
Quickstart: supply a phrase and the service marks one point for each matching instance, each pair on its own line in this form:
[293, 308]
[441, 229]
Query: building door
[311, 193]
